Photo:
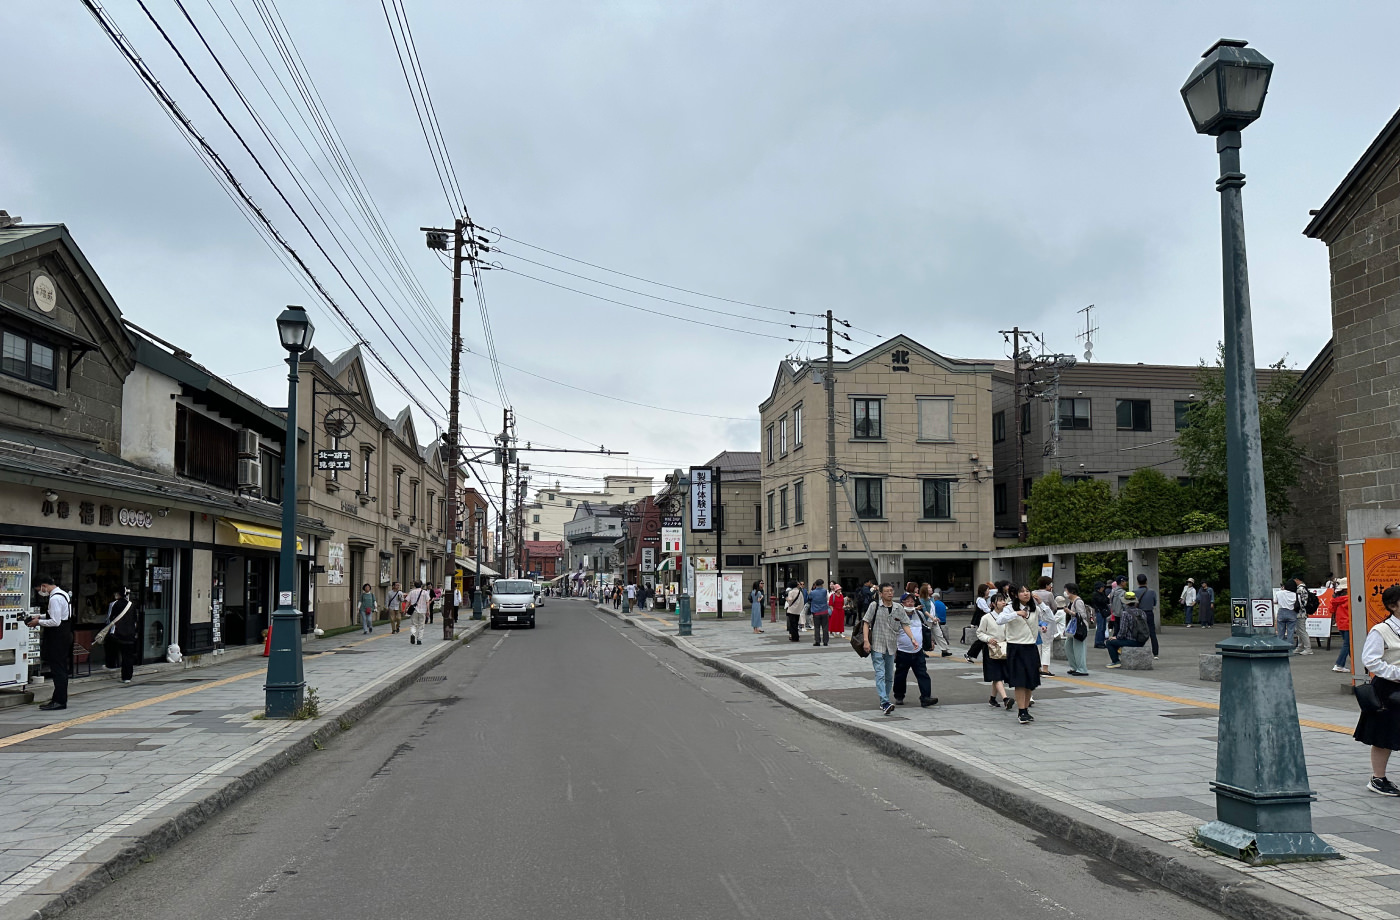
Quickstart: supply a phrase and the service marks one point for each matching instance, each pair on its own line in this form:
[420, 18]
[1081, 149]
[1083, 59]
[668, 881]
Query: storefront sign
[45, 293]
[670, 540]
[648, 559]
[216, 634]
[1382, 569]
[160, 573]
[335, 563]
[705, 564]
[702, 497]
[333, 460]
[386, 565]
[130, 517]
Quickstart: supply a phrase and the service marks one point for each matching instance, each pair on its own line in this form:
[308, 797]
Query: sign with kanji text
[332, 459]
[670, 541]
[702, 498]
[648, 559]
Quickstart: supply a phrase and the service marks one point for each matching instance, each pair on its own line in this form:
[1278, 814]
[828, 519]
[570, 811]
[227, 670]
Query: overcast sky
[939, 169]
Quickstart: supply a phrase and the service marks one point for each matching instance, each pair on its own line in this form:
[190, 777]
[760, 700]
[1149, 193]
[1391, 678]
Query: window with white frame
[797, 425]
[935, 418]
[782, 436]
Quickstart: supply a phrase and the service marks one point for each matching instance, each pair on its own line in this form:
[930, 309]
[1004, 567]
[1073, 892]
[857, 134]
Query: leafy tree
[1065, 512]
[1150, 505]
[1201, 446]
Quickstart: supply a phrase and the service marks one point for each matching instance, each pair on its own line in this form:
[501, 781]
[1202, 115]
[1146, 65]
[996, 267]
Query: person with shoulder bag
[911, 652]
[418, 600]
[992, 635]
[756, 597]
[394, 604]
[794, 604]
[1077, 630]
[122, 632]
[881, 626]
[1379, 725]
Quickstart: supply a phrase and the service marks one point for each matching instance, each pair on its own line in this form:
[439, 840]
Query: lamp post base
[285, 688]
[1260, 849]
[683, 614]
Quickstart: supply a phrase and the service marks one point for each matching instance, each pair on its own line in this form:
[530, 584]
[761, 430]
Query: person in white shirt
[1381, 730]
[1188, 599]
[418, 600]
[56, 640]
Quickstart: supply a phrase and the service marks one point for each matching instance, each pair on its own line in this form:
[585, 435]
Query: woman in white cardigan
[1381, 730]
[1022, 622]
[993, 635]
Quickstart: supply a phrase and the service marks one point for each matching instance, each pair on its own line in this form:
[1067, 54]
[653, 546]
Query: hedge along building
[118, 458]
[914, 444]
[388, 511]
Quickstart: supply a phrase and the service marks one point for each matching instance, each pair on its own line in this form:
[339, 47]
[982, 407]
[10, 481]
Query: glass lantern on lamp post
[286, 687]
[1262, 797]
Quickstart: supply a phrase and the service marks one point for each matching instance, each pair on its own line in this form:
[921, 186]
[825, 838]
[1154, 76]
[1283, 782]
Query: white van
[512, 603]
[539, 594]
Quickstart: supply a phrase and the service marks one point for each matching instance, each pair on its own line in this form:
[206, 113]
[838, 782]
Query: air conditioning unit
[247, 443]
[249, 473]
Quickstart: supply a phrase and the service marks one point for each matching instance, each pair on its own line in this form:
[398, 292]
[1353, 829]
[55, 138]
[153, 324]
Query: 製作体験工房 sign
[333, 460]
[702, 497]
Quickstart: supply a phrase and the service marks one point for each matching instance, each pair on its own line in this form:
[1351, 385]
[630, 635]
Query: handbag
[997, 652]
[927, 643]
[1367, 697]
[858, 641]
[102, 633]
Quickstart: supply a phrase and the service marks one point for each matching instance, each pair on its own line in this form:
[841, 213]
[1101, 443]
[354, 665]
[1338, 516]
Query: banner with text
[702, 497]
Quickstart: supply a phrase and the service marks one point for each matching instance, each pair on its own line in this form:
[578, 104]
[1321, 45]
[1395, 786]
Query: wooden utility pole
[1017, 389]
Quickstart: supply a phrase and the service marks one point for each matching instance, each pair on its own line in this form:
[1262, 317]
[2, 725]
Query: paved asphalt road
[584, 770]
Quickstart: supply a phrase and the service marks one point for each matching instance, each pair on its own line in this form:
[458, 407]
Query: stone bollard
[1057, 650]
[1210, 666]
[1136, 659]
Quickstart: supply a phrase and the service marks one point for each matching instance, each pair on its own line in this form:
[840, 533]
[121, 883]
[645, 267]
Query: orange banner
[1382, 567]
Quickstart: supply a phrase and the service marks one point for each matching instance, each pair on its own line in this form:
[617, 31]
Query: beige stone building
[914, 447]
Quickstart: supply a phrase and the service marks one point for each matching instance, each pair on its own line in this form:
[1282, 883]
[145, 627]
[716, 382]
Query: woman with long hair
[1076, 617]
[1021, 620]
[982, 605]
[756, 597]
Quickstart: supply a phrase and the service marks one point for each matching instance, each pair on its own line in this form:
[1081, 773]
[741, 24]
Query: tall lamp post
[286, 687]
[1263, 802]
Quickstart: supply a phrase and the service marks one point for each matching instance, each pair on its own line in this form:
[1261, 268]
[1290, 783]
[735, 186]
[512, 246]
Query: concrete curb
[115, 858]
[1225, 890]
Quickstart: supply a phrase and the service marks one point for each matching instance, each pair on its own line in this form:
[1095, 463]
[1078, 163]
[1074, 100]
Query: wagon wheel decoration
[339, 423]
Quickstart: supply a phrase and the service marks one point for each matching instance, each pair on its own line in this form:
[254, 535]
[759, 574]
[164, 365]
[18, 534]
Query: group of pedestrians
[421, 604]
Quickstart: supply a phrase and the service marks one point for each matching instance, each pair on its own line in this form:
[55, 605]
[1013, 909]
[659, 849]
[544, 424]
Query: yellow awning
[246, 534]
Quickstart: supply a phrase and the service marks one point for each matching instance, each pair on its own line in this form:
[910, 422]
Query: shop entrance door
[151, 572]
[257, 598]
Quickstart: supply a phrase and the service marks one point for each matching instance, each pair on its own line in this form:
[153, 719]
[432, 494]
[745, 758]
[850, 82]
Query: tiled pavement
[78, 785]
[1133, 747]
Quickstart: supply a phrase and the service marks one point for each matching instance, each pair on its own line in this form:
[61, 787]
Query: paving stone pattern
[1143, 759]
[68, 796]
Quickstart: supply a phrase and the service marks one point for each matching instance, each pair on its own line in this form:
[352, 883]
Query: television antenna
[1089, 330]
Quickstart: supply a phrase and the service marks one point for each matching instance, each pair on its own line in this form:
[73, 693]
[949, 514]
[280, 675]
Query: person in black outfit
[1099, 601]
[56, 639]
[126, 632]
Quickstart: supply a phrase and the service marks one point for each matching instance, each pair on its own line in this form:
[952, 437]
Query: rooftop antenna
[1088, 334]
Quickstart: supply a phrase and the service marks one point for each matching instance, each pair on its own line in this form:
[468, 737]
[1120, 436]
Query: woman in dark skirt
[1022, 623]
[1381, 730]
[992, 636]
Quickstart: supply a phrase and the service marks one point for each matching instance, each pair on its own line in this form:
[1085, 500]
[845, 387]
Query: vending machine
[16, 653]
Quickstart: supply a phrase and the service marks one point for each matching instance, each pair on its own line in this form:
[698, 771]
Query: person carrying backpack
[1132, 629]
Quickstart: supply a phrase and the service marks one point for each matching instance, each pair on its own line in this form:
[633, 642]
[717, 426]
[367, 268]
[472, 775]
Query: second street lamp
[286, 687]
[1263, 801]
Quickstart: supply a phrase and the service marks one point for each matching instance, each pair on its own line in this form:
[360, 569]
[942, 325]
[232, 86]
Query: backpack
[1136, 624]
[1311, 604]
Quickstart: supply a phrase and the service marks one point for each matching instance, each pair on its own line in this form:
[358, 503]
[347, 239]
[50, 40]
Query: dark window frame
[869, 497]
[26, 371]
[998, 426]
[999, 505]
[861, 427]
[1139, 414]
[772, 499]
[946, 499]
[798, 488]
[1181, 411]
[1072, 421]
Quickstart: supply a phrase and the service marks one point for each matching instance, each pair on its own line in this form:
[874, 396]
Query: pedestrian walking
[124, 621]
[992, 635]
[910, 655]
[937, 611]
[1130, 630]
[394, 603]
[1381, 730]
[418, 600]
[1078, 628]
[1341, 613]
[631, 594]
[367, 601]
[1021, 620]
[818, 602]
[793, 605]
[1286, 602]
[1188, 599]
[1307, 606]
[981, 606]
[56, 638]
[432, 603]
[756, 606]
[111, 652]
[1100, 603]
[1147, 603]
[882, 623]
[1051, 626]
[1205, 604]
[837, 602]
[806, 605]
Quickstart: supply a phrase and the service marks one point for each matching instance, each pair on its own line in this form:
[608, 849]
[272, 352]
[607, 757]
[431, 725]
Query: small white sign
[1319, 627]
[45, 294]
[670, 541]
[1261, 612]
[284, 599]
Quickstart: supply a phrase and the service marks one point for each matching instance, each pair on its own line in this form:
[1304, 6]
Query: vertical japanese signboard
[702, 497]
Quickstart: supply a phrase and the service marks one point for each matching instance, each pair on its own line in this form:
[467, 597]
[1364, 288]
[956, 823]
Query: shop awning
[469, 565]
[245, 534]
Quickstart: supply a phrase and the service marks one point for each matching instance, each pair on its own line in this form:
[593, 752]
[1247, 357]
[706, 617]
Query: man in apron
[56, 639]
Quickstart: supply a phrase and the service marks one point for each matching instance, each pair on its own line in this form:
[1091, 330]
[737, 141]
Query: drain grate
[424, 680]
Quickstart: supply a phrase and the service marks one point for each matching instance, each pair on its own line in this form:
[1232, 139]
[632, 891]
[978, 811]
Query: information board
[702, 497]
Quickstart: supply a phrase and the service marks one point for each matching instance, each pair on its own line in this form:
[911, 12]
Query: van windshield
[510, 586]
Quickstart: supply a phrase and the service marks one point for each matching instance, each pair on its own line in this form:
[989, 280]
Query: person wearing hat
[1188, 599]
[1341, 612]
[1131, 629]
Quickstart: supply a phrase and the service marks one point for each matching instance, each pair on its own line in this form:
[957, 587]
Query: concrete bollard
[1210, 666]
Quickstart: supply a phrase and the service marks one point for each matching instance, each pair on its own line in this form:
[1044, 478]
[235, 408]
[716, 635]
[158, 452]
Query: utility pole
[719, 543]
[833, 552]
[519, 521]
[1020, 484]
[505, 488]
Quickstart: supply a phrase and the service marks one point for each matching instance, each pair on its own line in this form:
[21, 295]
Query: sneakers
[1024, 718]
[887, 708]
[1382, 786]
[1009, 701]
[946, 654]
[50, 707]
[1188, 625]
[1112, 666]
[126, 681]
[993, 702]
[899, 702]
[931, 701]
[1340, 670]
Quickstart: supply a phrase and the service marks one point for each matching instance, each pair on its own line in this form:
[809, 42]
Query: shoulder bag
[104, 631]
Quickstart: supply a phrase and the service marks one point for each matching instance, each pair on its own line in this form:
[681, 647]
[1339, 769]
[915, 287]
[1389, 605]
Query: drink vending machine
[17, 651]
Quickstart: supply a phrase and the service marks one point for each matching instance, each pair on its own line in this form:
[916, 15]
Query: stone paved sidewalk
[79, 786]
[1134, 747]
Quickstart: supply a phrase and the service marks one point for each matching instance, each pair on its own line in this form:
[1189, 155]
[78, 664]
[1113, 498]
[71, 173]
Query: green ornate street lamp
[1262, 797]
[286, 687]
